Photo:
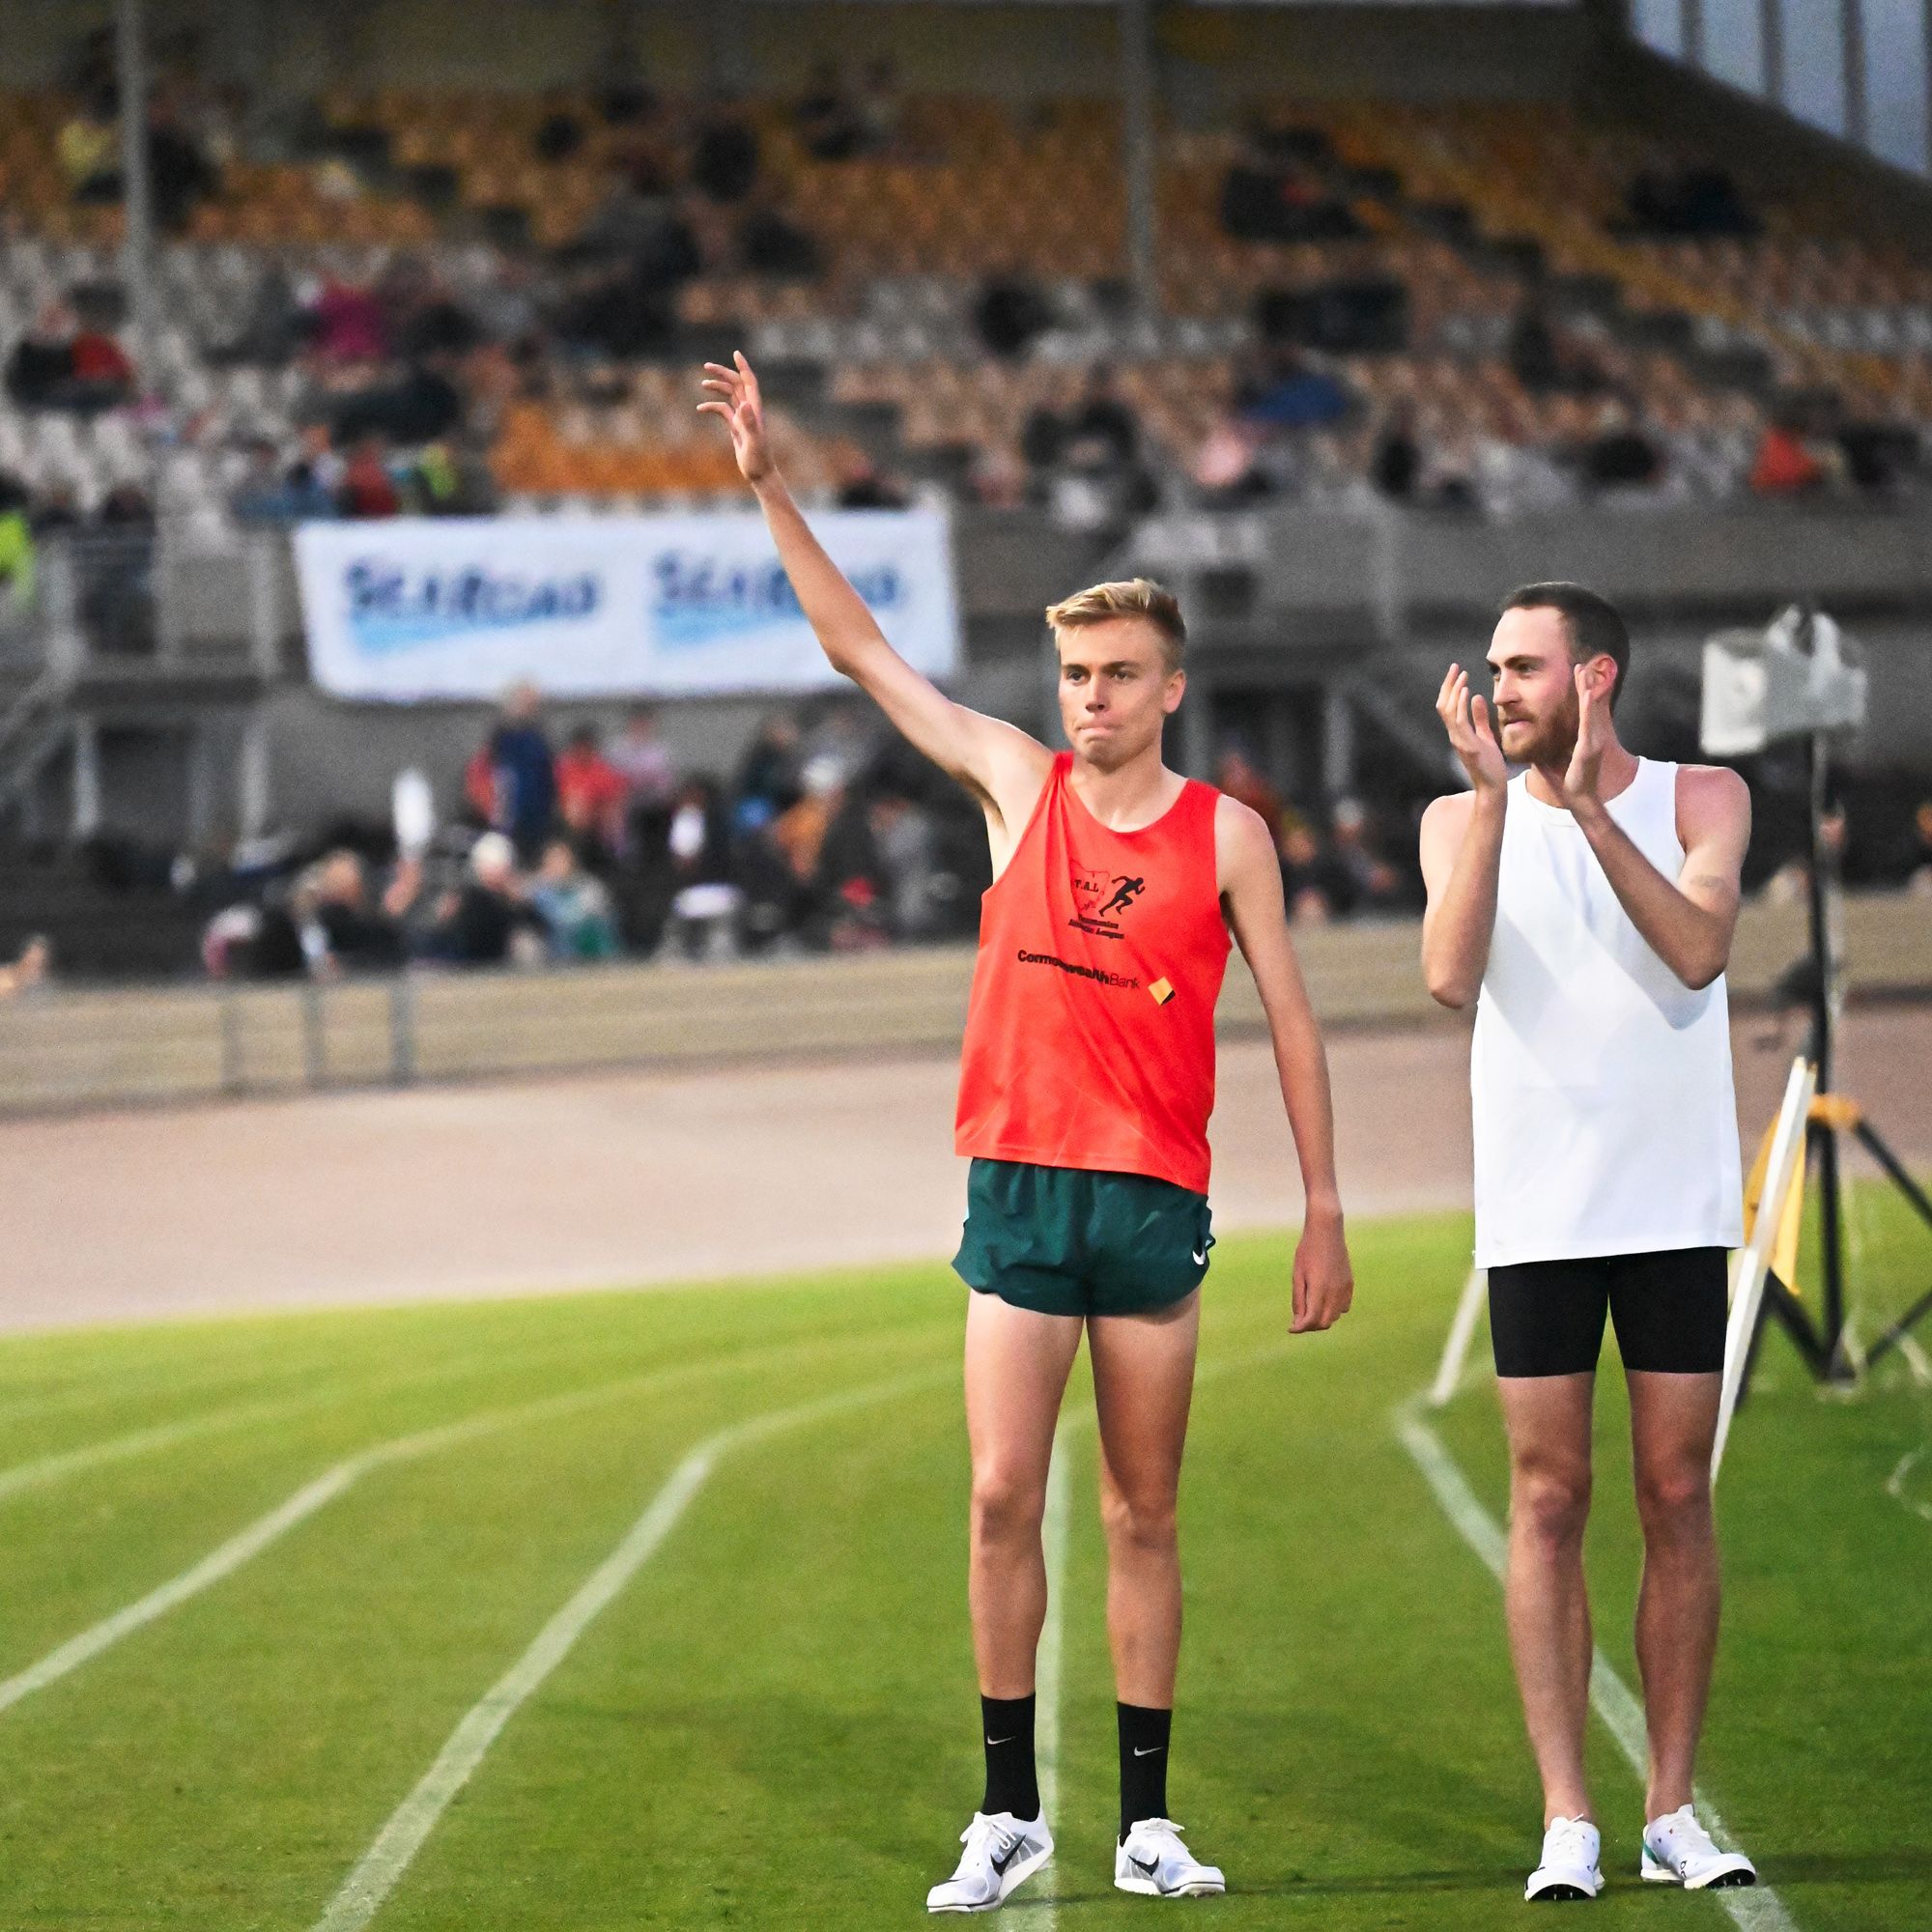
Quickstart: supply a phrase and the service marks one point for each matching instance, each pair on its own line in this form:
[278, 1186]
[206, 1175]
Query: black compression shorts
[1547, 1317]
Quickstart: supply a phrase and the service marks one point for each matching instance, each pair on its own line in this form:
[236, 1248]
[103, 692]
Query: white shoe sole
[1553, 1887]
[1010, 1881]
[1732, 1872]
[1146, 1888]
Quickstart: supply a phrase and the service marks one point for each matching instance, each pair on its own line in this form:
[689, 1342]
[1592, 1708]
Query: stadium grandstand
[1340, 330]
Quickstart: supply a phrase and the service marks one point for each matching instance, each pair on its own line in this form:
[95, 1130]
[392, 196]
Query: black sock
[1143, 1735]
[1012, 1782]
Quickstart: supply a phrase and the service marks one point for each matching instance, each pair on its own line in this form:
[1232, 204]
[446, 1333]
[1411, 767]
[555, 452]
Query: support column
[1137, 156]
[1338, 744]
[251, 778]
[137, 250]
[1858, 120]
[86, 777]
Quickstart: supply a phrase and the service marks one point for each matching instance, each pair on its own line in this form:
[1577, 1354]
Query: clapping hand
[1583, 781]
[1471, 736]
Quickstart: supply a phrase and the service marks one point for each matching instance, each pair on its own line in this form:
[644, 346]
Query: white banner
[671, 606]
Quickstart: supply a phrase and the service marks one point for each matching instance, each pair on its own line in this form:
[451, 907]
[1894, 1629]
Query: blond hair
[1128, 597]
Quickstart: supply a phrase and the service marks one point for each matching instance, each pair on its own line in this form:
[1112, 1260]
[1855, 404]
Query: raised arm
[1461, 851]
[993, 759]
[1687, 922]
[1250, 883]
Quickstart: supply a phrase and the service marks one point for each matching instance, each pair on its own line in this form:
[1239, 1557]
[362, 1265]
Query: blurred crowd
[825, 837]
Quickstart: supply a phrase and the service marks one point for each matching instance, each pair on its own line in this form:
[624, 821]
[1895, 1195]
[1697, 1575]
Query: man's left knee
[1674, 1496]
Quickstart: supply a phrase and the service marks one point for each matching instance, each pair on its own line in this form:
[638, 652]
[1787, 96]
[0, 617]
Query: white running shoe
[1002, 1851]
[1153, 1860]
[1568, 1868]
[1677, 1850]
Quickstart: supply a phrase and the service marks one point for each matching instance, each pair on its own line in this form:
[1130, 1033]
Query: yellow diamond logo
[1162, 991]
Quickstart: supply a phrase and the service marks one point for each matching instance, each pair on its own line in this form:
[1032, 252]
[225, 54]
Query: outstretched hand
[1471, 737]
[734, 396]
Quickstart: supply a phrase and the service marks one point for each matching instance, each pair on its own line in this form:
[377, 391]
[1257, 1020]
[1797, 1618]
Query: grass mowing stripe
[1754, 1908]
[43, 1469]
[138, 1443]
[380, 1868]
[228, 1557]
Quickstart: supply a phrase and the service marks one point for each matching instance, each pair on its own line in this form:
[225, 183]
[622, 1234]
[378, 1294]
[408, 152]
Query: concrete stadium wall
[67, 1050]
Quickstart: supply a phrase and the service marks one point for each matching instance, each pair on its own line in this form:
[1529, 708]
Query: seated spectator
[1265, 197]
[88, 149]
[1281, 391]
[57, 365]
[771, 245]
[1694, 202]
[1349, 316]
[645, 763]
[347, 322]
[831, 126]
[864, 486]
[1786, 464]
[1548, 360]
[1008, 314]
[591, 795]
[1619, 455]
[725, 158]
[1237, 776]
[768, 781]
[879, 106]
[559, 133]
[479, 923]
[16, 544]
[1356, 877]
[367, 490]
[126, 507]
[624, 219]
[907, 847]
[347, 933]
[1395, 457]
[179, 174]
[574, 906]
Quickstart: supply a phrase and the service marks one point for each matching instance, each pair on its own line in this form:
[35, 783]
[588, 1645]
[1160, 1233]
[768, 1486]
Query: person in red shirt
[1086, 1082]
[591, 794]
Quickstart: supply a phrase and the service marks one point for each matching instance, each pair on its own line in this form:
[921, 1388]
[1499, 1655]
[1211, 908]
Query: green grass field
[771, 1722]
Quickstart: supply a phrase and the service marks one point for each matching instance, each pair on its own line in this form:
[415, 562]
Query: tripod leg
[1873, 1143]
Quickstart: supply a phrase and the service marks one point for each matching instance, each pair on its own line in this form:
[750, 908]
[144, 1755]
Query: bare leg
[1143, 1383]
[1673, 1420]
[1549, 1609]
[1016, 1368]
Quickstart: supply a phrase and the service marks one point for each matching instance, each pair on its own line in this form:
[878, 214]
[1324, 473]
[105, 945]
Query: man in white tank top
[1586, 907]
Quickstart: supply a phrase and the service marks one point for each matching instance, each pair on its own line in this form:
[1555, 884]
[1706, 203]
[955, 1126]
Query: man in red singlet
[1086, 1082]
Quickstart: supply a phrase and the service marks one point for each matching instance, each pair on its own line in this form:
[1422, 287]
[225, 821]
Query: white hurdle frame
[1787, 1149]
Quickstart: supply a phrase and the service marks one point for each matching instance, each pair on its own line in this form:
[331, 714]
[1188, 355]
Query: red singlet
[1090, 1038]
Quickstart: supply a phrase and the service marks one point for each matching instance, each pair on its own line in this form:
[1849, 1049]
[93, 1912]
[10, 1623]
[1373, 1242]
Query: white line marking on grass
[380, 1868]
[228, 1557]
[1754, 1908]
[136, 1442]
[1894, 1484]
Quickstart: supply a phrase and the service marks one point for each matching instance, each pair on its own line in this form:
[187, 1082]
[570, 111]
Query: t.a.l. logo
[1100, 898]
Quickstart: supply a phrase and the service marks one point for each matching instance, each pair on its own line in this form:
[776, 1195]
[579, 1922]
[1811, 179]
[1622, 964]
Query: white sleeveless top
[1600, 1083]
